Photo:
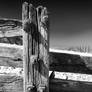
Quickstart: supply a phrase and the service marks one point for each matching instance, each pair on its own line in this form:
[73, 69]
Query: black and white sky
[70, 21]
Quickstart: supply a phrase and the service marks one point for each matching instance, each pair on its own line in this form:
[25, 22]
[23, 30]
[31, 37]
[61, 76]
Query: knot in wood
[27, 25]
[31, 88]
[45, 19]
[33, 59]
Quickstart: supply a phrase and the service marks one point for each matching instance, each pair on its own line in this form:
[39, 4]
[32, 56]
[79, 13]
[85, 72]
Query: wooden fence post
[43, 25]
[36, 48]
[29, 45]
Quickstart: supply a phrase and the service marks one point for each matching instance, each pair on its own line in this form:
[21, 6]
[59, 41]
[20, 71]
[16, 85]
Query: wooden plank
[11, 51]
[25, 17]
[9, 70]
[11, 32]
[43, 48]
[11, 46]
[17, 49]
[10, 22]
[30, 46]
[11, 83]
[45, 35]
[33, 75]
[10, 28]
[11, 62]
[72, 76]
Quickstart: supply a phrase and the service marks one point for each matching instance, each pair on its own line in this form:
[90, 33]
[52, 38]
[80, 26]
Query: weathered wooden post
[42, 17]
[36, 48]
[25, 44]
[29, 44]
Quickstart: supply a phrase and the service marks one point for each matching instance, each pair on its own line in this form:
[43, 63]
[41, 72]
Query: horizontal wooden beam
[3, 45]
[59, 76]
[15, 53]
[51, 50]
[11, 80]
[73, 76]
[11, 51]
[11, 32]
[8, 62]
[10, 23]
[67, 76]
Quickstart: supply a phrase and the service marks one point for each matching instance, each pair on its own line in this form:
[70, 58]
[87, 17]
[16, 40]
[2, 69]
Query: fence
[33, 54]
[35, 47]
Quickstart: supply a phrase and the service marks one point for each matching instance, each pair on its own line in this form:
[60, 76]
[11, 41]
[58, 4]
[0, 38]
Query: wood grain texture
[11, 51]
[11, 32]
[10, 28]
[43, 47]
[29, 46]
[11, 84]
[25, 16]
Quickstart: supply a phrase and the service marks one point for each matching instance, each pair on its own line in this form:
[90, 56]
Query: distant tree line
[80, 48]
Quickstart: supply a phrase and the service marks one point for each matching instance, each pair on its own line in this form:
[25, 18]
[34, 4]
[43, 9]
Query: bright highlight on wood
[5, 70]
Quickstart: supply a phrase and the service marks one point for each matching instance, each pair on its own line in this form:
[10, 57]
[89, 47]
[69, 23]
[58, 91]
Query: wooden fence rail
[10, 28]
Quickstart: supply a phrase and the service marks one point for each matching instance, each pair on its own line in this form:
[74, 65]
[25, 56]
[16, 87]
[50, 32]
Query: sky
[70, 22]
